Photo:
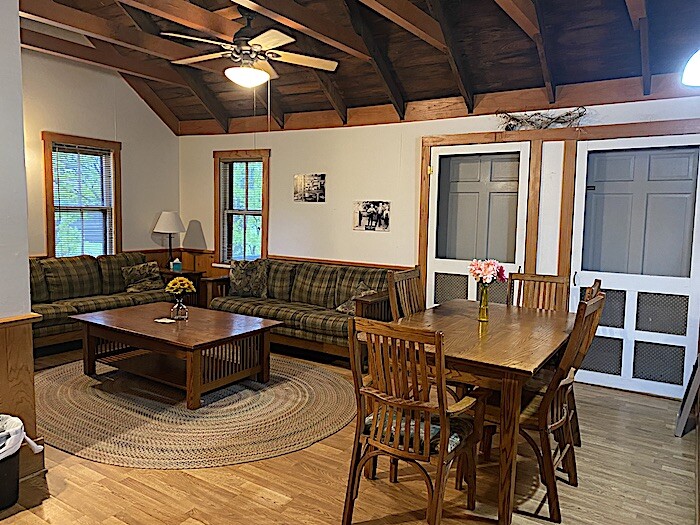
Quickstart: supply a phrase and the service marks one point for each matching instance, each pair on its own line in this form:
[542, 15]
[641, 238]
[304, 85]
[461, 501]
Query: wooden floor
[631, 469]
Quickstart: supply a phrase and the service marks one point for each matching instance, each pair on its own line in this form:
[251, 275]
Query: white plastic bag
[12, 435]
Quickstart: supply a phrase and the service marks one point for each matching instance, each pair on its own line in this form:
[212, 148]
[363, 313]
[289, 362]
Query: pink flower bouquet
[486, 271]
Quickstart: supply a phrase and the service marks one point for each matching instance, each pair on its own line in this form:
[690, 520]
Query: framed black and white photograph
[310, 187]
[371, 216]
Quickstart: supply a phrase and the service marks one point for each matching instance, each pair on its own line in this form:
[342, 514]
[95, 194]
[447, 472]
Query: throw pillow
[349, 307]
[248, 278]
[142, 277]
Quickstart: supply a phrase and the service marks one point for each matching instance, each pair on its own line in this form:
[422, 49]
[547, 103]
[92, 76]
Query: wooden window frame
[242, 154]
[49, 139]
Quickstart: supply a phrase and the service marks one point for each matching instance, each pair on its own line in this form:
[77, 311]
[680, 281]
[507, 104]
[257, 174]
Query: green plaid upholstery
[289, 313]
[280, 277]
[311, 336]
[54, 314]
[350, 277]
[315, 284]
[328, 322]
[71, 277]
[111, 270]
[43, 331]
[37, 282]
[99, 302]
[151, 296]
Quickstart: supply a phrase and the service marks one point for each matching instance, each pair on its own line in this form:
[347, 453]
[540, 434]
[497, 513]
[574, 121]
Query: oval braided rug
[124, 420]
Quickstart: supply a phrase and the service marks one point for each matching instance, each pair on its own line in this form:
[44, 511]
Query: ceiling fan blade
[271, 39]
[264, 65]
[303, 60]
[201, 58]
[195, 38]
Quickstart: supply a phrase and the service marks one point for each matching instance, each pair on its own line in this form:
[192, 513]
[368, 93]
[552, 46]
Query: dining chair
[593, 290]
[546, 414]
[544, 292]
[406, 294]
[402, 411]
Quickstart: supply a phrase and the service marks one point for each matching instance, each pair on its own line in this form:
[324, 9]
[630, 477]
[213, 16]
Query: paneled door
[478, 209]
[636, 229]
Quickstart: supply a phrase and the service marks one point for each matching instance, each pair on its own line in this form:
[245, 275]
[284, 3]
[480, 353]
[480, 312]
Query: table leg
[89, 352]
[264, 375]
[511, 390]
[194, 379]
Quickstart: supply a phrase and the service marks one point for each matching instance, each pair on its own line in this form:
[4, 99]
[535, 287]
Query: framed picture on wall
[310, 187]
[371, 216]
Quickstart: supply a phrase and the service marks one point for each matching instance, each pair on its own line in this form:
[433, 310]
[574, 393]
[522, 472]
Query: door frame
[657, 284]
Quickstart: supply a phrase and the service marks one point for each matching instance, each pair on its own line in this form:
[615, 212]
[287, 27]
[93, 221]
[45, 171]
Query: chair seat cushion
[99, 302]
[151, 296]
[54, 314]
[289, 313]
[461, 428]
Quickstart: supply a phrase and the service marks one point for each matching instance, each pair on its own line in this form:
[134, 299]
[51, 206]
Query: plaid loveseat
[305, 296]
[65, 286]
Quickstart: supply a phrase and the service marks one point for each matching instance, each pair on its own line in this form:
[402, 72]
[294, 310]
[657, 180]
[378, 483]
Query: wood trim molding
[533, 206]
[424, 210]
[566, 217]
[16, 320]
[242, 154]
[292, 258]
[48, 139]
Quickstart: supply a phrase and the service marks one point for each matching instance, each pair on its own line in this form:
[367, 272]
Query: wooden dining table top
[516, 340]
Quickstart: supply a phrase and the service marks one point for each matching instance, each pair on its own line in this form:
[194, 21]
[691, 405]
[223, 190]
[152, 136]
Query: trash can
[12, 436]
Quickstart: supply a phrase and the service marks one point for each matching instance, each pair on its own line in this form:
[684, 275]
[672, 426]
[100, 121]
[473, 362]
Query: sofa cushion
[350, 306]
[40, 330]
[142, 277]
[151, 296]
[280, 278]
[350, 277]
[328, 322]
[289, 313]
[37, 282]
[111, 270]
[72, 277]
[54, 313]
[310, 336]
[315, 284]
[248, 278]
[99, 302]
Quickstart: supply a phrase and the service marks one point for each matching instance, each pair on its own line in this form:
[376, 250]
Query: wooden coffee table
[210, 350]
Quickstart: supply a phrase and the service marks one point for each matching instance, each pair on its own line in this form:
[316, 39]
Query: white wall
[66, 97]
[371, 162]
[14, 299]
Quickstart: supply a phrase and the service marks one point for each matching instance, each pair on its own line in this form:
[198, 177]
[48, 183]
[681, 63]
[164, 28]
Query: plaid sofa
[305, 296]
[65, 286]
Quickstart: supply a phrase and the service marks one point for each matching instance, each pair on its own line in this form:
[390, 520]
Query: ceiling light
[691, 73]
[247, 76]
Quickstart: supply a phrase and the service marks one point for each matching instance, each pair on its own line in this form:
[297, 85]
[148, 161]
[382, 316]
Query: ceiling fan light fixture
[691, 73]
[247, 76]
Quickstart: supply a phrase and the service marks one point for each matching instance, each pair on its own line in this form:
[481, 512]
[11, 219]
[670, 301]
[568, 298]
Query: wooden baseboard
[315, 346]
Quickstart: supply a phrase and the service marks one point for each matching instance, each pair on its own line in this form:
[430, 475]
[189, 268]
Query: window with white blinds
[83, 181]
[241, 191]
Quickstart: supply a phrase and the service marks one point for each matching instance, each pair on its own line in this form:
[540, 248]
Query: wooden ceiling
[391, 53]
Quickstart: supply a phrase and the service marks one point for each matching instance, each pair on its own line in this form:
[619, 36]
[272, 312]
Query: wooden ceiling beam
[412, 18]
[637, 10]
[528, 17]
[379, 61]
[305, 20]
[189, 15]
[230, 12]
[458, 63]
[63, 48]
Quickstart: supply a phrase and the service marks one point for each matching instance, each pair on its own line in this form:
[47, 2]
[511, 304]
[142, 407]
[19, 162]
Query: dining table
[500, 354]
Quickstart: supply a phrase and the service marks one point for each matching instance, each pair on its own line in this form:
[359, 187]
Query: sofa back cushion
[70, 277]
[37, 283]
[315, 284]
[280, 278]
[111, 270]
[350, 277]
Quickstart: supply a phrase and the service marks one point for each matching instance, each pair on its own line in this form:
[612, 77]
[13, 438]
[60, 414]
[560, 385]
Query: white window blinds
[241, 205]
[83, 198]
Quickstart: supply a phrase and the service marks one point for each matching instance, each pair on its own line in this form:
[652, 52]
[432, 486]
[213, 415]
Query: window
[241, 204]
[82, 195]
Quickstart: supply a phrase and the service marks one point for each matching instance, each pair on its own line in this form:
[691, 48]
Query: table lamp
[169, 222]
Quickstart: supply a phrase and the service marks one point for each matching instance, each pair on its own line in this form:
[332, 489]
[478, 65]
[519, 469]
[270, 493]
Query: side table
[194, 276]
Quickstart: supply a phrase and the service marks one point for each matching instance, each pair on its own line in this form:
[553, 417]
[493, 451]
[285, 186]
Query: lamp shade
[247, 76]
[169, 222]
[691, 73]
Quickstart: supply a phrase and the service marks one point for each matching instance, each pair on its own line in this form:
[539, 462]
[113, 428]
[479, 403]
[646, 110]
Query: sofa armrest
[216, 287]
[374, 306]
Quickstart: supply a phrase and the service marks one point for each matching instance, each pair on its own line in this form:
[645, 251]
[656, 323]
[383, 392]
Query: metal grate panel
[662, 313]
[498, 293]
[614, 309]
[450, 286]
[604, 356]
[658, 362]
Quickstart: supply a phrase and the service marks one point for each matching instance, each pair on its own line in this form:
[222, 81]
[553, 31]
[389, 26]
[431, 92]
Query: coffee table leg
[194, 379]
[264, 375]
[89, 351]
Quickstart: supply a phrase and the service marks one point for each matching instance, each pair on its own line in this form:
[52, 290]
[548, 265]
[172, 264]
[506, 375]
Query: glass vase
[484, 304]
[179, 311]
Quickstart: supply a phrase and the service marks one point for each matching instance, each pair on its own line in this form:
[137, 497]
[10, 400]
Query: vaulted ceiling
[390, 52]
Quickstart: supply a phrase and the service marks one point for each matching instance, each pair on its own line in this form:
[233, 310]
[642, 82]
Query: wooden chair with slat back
[547, 413]
[544, 292]
[402, 410]
[406, 294]
[593, 290]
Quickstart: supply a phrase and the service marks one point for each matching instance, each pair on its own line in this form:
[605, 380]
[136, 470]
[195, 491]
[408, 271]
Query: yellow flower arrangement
[180, 285]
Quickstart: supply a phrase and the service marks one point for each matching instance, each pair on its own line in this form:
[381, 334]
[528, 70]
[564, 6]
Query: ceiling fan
[252, 54]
